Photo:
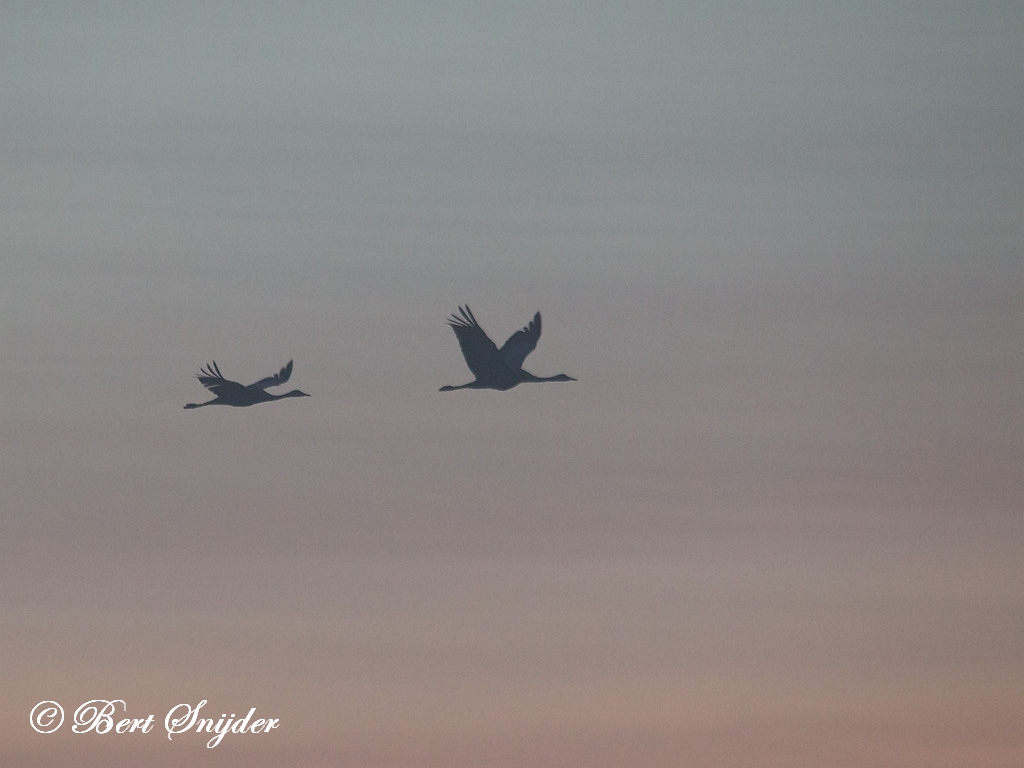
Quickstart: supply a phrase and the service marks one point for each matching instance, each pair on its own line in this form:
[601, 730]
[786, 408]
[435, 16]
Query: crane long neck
[293, 393]
[557, 377]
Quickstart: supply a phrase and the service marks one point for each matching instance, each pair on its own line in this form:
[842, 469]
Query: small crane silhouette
[496, 368]
[239, 395]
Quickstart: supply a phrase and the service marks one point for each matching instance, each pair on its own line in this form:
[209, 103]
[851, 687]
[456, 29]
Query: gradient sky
[778, 520]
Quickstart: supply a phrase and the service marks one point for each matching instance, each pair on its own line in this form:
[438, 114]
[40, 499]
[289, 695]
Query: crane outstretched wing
[211, 378]
[480, 352]
[272, 381]
[521, 343]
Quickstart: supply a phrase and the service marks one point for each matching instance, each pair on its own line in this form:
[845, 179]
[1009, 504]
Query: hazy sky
[776, 522]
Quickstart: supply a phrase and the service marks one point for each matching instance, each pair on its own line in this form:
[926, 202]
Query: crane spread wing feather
[480, 352]
[521, 343]
[272, 381]
[211, 378]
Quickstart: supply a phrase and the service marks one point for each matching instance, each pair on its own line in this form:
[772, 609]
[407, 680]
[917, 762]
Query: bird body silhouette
[239, 395]
[496, 368]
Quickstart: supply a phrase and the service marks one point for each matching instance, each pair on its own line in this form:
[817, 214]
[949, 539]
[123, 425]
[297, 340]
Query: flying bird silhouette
[240, 395]
[496, 368]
